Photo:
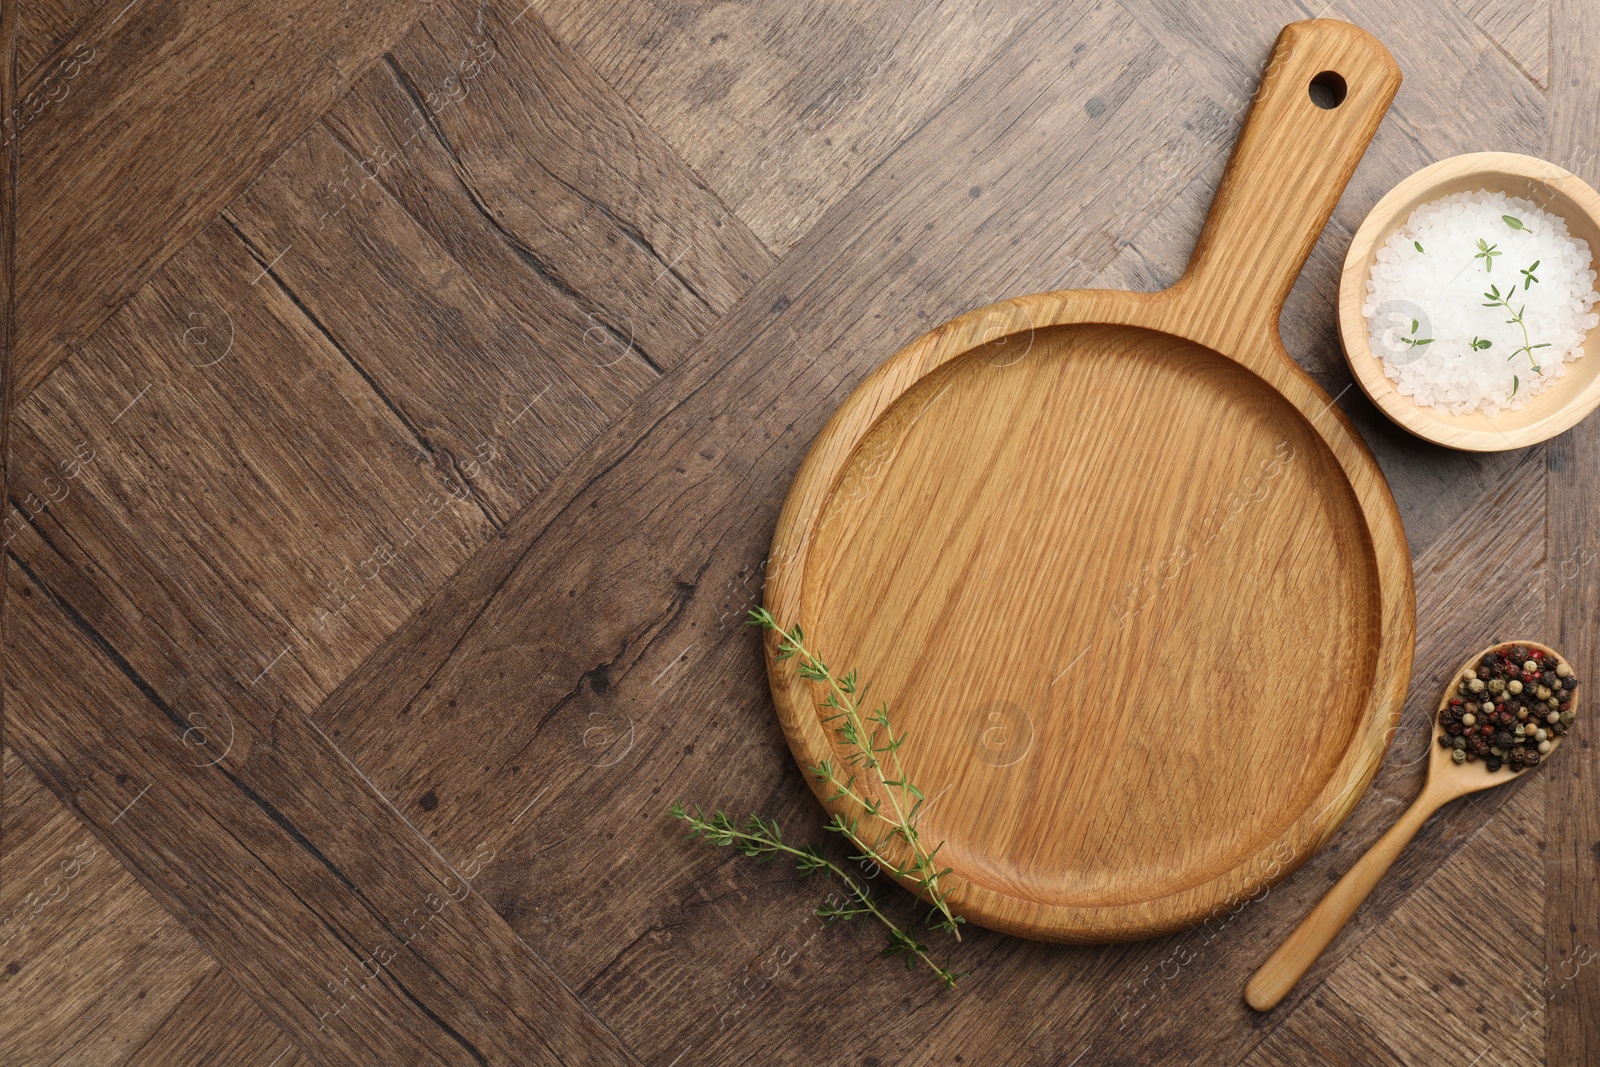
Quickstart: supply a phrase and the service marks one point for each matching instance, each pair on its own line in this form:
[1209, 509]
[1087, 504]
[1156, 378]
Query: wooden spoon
[1446, 781]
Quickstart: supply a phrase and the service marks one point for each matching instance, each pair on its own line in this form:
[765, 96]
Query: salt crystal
[1426, 312]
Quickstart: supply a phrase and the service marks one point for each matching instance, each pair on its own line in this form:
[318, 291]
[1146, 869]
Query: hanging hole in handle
[1327, 90]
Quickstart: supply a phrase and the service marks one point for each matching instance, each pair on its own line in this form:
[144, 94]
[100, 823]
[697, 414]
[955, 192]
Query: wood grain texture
[89, 961]
[44, 28]
[581, 185]
[781, 107]
[355, 951]
[1335, 1034]
[1484, 999]
[560, 291]
[1571, 999]
[123, 437]
[216, 1023]
[540, 674]
[161, 168]
[1522, 32]
[8, 189]
[1461, 95]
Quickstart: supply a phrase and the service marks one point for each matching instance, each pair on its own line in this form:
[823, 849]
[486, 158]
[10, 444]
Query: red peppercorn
[1455, 703]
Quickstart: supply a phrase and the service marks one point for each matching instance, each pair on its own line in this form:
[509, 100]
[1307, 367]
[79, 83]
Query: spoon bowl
[1447, 780]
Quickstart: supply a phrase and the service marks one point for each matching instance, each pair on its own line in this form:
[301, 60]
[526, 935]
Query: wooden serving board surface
[1132, 586]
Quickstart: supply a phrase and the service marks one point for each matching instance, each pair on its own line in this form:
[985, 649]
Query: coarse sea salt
[1427, 292]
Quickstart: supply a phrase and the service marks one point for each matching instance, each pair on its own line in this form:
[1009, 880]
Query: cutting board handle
[1288, 170]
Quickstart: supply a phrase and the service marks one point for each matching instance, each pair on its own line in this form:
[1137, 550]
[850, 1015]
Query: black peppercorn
[1493, 711]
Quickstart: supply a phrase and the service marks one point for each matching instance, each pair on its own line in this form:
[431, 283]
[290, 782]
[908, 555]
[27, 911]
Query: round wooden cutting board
[1133, 588]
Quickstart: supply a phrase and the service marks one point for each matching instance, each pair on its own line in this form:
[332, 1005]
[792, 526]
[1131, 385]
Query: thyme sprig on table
[891, 804]
[762, 839]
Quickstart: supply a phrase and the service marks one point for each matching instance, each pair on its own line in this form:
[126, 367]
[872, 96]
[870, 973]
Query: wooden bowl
[1562, 404]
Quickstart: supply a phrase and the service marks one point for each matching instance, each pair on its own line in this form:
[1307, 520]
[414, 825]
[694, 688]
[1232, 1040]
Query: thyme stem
[762, 840]
[1497, 299]
[844, 695]
[894, 802]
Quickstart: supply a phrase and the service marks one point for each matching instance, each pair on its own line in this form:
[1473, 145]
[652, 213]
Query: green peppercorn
[1458, 755]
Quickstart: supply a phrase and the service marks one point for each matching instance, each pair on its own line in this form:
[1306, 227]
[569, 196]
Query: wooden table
[403, 396]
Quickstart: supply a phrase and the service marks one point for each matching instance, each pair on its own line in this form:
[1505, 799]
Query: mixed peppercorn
[1509, 709]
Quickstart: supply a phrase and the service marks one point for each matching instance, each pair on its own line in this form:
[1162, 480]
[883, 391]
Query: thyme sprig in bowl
[873, 777]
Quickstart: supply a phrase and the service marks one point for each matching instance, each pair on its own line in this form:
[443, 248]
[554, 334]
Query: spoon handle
[1272, 982]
